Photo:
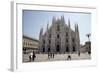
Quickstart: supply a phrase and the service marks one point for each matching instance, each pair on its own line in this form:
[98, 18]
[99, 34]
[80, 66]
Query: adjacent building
[30, 44]
[59, 37]
[86, 47]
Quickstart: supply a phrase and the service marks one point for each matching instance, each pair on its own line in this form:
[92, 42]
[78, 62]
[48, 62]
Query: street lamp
[89, 44]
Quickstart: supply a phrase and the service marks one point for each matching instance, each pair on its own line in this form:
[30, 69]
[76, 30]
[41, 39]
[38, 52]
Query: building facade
[86, 47]
[30, 44]
[59, 37]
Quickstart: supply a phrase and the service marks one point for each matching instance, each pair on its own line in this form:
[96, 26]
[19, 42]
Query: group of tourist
[50, 55]
[32, 56]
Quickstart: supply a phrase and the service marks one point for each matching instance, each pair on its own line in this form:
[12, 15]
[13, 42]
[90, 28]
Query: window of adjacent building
[26, 43]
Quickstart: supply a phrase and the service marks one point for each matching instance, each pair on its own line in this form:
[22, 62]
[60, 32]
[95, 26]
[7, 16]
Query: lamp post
[89, 43]
[88, 35]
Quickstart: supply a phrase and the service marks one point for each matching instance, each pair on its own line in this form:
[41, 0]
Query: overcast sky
[33, 21]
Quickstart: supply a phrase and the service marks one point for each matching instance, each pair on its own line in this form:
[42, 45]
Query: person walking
[53, 55]
[69, 57]
[48, 55]
[78, 53]
[33, 57]
[30, 57]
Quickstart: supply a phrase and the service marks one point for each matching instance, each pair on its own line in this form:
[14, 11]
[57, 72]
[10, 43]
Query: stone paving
[57, 57]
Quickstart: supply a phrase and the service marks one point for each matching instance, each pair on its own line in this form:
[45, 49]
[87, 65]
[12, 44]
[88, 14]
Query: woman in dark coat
[33, 55]
[30, 57]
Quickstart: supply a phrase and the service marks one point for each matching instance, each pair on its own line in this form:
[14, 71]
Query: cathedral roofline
[54, 20]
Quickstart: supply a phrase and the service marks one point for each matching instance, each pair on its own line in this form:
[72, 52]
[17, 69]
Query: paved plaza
[57, 57]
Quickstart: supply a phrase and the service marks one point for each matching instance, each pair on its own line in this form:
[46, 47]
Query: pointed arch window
[49, 35]
[67, 49]
[58, 28]
[73, 40]
[58, 36]
[43, 41]
[66, 34]
[49, 41]
[67, 40]
[43, 49]
[74, 49]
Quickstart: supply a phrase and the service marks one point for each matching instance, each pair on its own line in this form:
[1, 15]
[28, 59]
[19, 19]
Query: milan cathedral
[59, 37]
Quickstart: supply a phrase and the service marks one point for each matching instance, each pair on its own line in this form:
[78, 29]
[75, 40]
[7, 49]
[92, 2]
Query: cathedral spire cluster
[61, 20]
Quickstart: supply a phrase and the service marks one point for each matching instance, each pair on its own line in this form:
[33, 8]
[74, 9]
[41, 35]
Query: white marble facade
[59, 37]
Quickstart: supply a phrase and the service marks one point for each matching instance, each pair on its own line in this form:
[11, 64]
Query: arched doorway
[48, 49]
[57, 48]
[43, 50]
[74, 49]
[67, 49]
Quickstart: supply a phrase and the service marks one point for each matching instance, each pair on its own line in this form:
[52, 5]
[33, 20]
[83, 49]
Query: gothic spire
[47, 25]
[62, 19]
[69, 23]
[76, 27]
[53, 20]
[41, 31]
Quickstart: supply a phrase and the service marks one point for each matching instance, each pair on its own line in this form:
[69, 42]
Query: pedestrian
[78, 53]
[69, 57]
[33, 57]
[53, 55]
[30, 57]
[48, 55]
[89, 52]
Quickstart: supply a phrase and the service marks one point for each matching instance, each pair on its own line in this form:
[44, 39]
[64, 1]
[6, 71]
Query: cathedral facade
[59, 37]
